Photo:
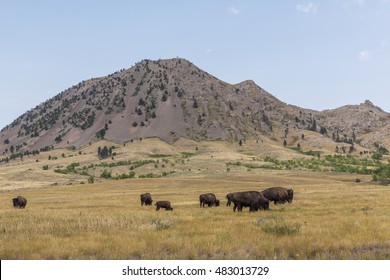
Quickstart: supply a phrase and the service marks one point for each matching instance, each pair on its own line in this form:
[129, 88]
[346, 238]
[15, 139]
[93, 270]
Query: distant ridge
[171, 99]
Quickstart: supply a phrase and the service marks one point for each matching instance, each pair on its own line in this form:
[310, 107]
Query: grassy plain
[331, 217]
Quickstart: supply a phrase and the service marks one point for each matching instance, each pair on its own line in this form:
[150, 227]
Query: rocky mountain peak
[368, 103]
[170, 99]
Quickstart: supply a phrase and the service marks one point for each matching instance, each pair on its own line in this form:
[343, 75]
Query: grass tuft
[161, 224]
[283, 229]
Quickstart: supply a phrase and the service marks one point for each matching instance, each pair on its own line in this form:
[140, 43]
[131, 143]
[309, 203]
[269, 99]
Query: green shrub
[377, 156]
[106, 174]
[382, 174]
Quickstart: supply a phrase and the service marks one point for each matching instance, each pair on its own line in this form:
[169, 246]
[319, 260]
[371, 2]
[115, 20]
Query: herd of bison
[255, 200]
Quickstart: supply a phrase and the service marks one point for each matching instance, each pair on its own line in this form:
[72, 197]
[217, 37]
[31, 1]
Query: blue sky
[313, 54]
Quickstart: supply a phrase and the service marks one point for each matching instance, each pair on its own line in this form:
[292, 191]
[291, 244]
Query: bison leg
[253, 207]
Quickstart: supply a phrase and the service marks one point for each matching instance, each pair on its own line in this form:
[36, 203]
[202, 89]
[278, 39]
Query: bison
[229, 199]
[19, 202]
[163, 204]
[252, 199]
[146, 199]
[278, 194]
[209, 199]
[290, 194]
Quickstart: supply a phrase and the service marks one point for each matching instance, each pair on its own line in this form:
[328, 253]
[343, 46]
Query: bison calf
[163, 204]
[19, 202]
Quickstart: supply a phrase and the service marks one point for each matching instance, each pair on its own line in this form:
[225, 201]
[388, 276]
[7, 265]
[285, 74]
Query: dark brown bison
[278, 195]
[163, 204]
[290, 194]
[252, 199]
[19, 202]
[229, 199]
[146, 199]
[209, 199]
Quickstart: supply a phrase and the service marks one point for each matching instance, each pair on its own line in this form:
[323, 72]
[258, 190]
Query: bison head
[15, 202]
[290, 194]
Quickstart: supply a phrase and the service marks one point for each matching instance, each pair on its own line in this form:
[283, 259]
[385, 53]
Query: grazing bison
[163, 204]
[252, 199]
[209, 199]
[278, 194]
[146, 199]
[229, 199]
[19, 201]
[290, 194]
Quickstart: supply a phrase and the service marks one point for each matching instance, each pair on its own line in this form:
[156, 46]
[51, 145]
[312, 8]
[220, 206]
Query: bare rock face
[173, 98]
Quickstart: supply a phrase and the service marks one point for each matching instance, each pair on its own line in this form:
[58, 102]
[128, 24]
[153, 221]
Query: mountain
[172, 99]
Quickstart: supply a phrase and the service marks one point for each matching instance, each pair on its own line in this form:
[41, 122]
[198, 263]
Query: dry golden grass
[331, 217]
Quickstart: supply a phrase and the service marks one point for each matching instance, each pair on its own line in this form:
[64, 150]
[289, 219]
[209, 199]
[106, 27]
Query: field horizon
[334, 215]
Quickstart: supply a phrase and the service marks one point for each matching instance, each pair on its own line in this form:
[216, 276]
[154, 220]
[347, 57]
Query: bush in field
[377, 156]
[105, 174]
[149, 175]
[71, 168]
[382, 174]
[130, 175]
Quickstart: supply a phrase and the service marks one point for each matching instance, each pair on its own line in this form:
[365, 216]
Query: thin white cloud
[233, 10]
[306, 8]
[364, 56]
